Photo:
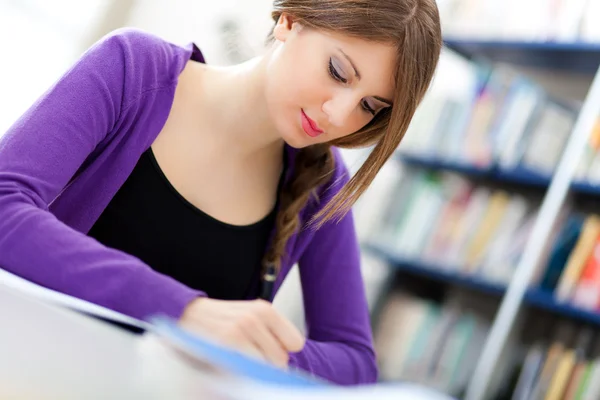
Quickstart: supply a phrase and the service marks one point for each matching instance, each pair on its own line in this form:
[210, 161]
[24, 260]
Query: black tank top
[150, 220]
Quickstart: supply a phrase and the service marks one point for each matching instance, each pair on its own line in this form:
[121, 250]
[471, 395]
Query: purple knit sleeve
[41, 152]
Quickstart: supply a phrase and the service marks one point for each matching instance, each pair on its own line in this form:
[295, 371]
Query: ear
[284, 27]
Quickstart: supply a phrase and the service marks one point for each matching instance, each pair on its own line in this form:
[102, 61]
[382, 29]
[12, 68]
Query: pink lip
[310, 127]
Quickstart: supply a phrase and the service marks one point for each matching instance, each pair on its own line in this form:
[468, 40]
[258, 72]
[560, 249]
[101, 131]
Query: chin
[295, 143]
[294, 136]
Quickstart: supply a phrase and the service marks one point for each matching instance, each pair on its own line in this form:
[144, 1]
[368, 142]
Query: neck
[234, 102]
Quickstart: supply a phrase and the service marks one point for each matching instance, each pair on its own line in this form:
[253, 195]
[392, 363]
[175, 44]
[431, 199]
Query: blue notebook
[230, 360]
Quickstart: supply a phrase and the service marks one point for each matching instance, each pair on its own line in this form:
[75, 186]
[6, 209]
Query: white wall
[37, 43]
[182, 21]
[39, 39]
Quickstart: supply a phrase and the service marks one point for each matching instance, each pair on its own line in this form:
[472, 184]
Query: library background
[481, 237]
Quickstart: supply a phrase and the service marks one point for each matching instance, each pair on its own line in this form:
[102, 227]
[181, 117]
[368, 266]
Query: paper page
[52, 296]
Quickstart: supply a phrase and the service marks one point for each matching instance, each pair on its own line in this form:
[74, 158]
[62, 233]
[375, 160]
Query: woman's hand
[253, 327]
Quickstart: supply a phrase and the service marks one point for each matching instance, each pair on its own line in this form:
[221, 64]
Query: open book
[254, 379]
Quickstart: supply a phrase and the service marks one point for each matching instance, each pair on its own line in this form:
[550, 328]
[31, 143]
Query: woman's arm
[340, 345]
[42, 151]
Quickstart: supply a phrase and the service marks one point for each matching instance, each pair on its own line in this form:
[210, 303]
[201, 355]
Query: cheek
[283, 99]
[356, 121]
[301, 81]
[296, 84]
[360, 121]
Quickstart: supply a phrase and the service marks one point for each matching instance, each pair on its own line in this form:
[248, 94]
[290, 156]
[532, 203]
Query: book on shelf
[586, 293]
[561, 365]
[464, 230]
[559, 253]
[477, 148]
[430, 344]
[578, 257]
[457, 195]
[521, 107]
[487, 230]
[449, 101]
[392, 344]
[532, 366]
[562, 374]
[588, 168]
[548, 138]
[508, 227]
[501, 267]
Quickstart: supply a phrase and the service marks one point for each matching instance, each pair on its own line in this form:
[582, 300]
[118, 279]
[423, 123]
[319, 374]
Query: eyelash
[335, 75]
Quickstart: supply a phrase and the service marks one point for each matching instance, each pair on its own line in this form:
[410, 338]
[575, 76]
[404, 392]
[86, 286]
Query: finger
[250, 349]
[240, 342]
[264, 340]
[288, 335]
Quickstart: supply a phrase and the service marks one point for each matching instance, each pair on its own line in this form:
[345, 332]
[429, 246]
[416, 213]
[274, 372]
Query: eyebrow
[357, 74]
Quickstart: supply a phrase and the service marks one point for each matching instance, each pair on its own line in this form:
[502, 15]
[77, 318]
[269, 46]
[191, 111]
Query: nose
[339, 108]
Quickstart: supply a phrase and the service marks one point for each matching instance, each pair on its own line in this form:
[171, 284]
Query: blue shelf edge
[435, 163]
[534, 297]
[584, 187]
[435, 272]
[578, 57]
[518, 175]
[526, 45]
[522, 176]
[544, 300]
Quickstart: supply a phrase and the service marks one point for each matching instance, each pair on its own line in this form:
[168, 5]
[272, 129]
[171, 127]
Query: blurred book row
[438, 345]
[532, 20]
[420, 341]
[460, 226]
[488, 117]
[563, 362]
[572, 264]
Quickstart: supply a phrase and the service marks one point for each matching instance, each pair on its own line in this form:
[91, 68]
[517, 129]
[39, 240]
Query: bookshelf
[558, 189]
[428, 150]
[534, 297]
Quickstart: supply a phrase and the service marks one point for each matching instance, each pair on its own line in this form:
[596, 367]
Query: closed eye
[367, 107]
[335, 74]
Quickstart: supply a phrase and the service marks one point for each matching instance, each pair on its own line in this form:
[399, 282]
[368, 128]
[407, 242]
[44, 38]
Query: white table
[47, 352]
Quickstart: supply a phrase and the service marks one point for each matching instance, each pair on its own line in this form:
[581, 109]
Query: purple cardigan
[65, 158]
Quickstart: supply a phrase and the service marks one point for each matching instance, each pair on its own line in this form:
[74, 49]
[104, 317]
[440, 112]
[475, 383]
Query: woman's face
[322, 86]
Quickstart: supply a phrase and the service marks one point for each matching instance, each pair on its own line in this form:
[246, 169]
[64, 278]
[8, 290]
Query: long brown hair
[413, 27]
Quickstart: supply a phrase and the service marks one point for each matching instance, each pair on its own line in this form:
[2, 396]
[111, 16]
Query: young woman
[150, 182]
